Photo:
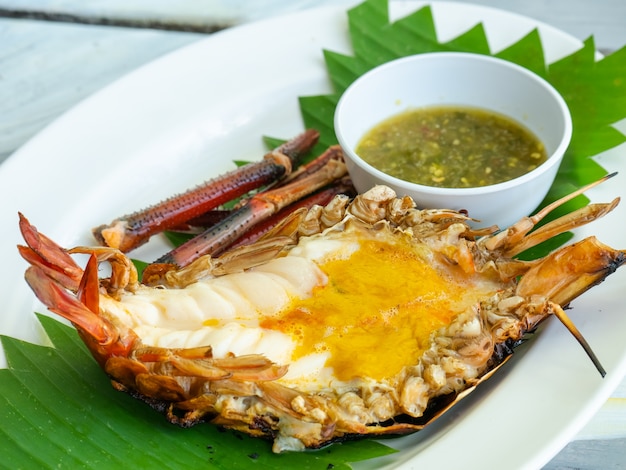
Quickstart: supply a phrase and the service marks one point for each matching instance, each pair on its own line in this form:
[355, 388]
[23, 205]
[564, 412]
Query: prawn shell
[251, 392]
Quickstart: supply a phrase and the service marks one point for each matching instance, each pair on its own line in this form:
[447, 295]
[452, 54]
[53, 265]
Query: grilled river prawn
[371, 317]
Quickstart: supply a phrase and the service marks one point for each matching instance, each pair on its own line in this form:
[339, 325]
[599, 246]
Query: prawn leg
[130, 231]
[259, 208]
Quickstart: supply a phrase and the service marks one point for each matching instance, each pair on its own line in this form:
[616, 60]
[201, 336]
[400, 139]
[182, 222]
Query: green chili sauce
[452, 147]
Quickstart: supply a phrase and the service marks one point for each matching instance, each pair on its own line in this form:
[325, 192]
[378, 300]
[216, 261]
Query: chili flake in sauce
[452, 147]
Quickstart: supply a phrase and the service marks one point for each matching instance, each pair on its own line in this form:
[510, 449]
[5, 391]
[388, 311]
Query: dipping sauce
[452, 147]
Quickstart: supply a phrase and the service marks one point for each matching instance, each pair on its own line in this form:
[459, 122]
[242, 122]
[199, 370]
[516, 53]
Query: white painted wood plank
[605, 19]
[590, 455]
[193, 11]
[46, 68]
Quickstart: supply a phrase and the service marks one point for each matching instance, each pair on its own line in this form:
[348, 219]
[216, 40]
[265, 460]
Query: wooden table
[53, 54]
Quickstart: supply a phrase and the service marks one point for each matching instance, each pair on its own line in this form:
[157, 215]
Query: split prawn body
[371, 317]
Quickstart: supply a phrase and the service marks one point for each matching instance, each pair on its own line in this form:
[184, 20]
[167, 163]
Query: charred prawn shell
[361, 317]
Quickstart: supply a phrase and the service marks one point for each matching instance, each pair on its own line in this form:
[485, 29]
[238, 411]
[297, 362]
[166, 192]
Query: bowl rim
[554, 158]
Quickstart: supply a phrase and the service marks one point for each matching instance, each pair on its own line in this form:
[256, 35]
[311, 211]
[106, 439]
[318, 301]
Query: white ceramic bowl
[471, 80]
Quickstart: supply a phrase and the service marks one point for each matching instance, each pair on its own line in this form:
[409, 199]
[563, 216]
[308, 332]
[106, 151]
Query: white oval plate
[185, 117]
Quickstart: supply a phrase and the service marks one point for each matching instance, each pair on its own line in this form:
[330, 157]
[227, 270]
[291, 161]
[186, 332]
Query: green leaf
[527, 52]
[270, 143]
[58, 409]
[177, 238]
[595, 91]
[473, 40]
[597, 99]
[140, 266]
[317, 113]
